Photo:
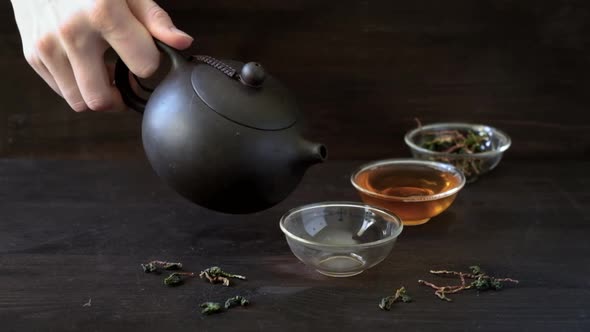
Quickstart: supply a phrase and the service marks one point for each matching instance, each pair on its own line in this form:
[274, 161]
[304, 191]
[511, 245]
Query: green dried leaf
[235, 301]
[387, 302]
[475, 269]
[155, 266]
[173, 279]
[216, 271]
[496, 284]
[459, 142]
[149, 267]
[406, 298]
[215, 274]
[171, 266]
[211, 308]
[400, 295]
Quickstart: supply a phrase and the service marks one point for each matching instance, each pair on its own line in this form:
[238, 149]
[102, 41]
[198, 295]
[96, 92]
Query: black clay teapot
[223, 134]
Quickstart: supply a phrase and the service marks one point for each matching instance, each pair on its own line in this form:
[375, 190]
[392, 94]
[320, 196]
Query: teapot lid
[243, 93]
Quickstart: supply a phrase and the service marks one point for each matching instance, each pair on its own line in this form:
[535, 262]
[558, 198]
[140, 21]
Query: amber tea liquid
[408, 188]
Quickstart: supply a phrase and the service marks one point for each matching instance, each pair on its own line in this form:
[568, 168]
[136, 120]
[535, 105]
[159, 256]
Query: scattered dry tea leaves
[481, 282]
[211, 308]
[215, 307]
[236, 301]
[215, 274]
[156, 266]
[400, 295]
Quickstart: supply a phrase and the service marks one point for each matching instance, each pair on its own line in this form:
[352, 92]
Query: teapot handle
[130, 98]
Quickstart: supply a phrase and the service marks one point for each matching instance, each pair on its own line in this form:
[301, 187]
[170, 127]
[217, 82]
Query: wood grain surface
[73, 233]
[362, 71]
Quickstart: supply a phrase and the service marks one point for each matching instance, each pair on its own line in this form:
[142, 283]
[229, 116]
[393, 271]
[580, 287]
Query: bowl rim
[395, 234]
[410, 161]
[478, 126]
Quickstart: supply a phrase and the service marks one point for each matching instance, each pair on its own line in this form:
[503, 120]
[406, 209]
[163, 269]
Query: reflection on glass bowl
[486, 157]
[340, 239]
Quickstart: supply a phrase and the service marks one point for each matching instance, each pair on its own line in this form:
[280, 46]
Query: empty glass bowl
[340, 239]
[472, 165]
[414, 190]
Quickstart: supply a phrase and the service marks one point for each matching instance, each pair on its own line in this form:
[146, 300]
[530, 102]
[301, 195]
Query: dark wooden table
[74, 233]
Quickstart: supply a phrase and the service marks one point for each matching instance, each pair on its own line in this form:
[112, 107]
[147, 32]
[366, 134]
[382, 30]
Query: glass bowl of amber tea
[475, 149]
[340, 239]
[415, 190]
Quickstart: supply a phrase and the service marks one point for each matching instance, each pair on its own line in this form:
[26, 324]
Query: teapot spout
[312, 153]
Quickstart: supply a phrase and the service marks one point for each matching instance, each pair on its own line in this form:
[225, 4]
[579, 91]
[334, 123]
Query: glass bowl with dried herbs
[475, 149]
[340, 239]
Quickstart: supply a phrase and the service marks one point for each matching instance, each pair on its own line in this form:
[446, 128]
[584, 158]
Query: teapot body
[215, 162]
[224, 135]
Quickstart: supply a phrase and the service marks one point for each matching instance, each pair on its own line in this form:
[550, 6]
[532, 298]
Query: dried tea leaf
[174, 279]
[155, 266]
[235, 301]
[400, 295]
[211, 308]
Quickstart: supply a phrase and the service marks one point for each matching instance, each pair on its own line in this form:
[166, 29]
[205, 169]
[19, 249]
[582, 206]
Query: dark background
[362, 71]
[71, 231]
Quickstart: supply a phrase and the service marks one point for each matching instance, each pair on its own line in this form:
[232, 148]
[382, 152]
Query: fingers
[70, 57]
[86, 56]
[159, 24]
[52, 55]
[132, 42]
[38, 66]
[94, 83]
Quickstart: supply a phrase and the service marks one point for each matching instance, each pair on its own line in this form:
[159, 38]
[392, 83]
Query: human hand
[65, 41]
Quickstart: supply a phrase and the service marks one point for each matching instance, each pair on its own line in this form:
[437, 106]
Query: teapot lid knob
[258, 100]
[252, 74]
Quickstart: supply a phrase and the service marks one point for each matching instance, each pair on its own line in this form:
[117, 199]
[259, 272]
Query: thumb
[159, 24]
